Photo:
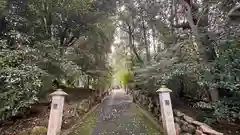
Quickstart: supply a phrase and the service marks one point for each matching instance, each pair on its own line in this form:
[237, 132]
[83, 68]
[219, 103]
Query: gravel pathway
[117, 115]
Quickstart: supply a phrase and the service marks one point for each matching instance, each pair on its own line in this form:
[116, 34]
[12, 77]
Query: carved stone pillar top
[163, 88]
[59, 92]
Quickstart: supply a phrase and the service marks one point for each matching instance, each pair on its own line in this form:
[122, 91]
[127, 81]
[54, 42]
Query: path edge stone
[152, 120]
[81, 120]
[68, 131]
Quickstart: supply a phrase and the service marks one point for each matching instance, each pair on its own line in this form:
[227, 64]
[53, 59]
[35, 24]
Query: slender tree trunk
[189, 17]
[154, 40]
[145, 40]
[173, 13]
[131, 40]
[212, 89]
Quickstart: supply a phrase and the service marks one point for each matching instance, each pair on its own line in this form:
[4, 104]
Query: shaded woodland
[192, 46]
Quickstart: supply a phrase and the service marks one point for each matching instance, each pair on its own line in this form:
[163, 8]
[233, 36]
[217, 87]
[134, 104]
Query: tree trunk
[145, 40]
[214, 94]
[132, 47]
[154, 40]
[173, 13]
[189, 17]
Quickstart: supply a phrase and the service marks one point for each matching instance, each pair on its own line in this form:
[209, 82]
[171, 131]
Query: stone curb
[82, 119]
[147, 114]
[157, 125]
[105, 98]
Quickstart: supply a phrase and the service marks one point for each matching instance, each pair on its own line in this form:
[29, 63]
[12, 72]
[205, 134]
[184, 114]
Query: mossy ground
[87, 126]
[150, 128]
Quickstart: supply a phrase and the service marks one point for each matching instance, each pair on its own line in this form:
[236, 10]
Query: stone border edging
[187, 124]
[149, 117]
[184, 124]
[81, 120]
[154, 122]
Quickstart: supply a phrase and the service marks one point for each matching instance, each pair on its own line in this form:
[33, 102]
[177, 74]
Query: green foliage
[222, 73]
[225, 70]
[20, 83]
[48, 40]
[125, 77]
[227, 109]
[195, 62]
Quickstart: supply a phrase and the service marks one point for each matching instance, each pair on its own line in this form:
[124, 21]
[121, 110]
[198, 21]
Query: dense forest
[192, 46]
[52, 42]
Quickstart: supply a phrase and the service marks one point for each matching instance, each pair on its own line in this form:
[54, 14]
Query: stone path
[116, 115]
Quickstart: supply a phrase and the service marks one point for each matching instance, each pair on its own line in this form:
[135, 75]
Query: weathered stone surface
[39, 130]
[178, 129]
[177, 120]
[182, 122]
[184, 127]
[188, 119]
[198, 132]
[209, 130]
[186, 134]
[178, 113]
[197, 123]
[188, 128]
[84, 105]
[191, 129]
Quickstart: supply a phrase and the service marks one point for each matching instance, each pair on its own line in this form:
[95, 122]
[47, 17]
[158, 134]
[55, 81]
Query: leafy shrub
[225, 70]
[20, 83]
[227, 109]
[222, 73]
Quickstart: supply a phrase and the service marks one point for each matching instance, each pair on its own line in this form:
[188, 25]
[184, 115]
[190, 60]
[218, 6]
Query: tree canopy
[46, 41]
[192, 46]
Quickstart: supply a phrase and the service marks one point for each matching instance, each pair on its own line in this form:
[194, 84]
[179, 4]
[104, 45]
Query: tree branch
[189, 17]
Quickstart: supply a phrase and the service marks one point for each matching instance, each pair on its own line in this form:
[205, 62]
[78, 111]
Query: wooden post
[166, 110]
[56, 113]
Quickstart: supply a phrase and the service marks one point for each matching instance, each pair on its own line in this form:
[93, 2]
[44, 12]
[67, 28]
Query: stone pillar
[166, 110]
[56, 113]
